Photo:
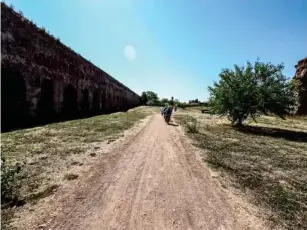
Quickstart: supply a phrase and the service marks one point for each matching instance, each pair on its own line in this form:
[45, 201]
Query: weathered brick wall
[48, 66]
[301, 77]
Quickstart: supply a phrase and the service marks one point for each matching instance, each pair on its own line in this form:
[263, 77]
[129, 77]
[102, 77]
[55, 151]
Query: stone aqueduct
[301, 77]
[43, 80]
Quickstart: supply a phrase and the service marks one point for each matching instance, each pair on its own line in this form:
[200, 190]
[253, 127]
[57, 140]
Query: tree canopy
[149, 98]
[252, 90]
[144, 98]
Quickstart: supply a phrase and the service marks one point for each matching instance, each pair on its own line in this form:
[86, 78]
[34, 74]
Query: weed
[191, 124]
[43, 193]
[10, 183]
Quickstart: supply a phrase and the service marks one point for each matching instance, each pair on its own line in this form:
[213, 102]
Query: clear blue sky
[180, 45]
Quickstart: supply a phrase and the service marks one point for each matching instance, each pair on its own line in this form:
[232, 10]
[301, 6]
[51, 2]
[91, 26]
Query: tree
[251, 91]
[164, 101]
[144, 98]
[196, 101]
[152, 98]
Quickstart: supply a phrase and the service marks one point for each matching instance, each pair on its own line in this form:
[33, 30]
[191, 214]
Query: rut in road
[156, 181]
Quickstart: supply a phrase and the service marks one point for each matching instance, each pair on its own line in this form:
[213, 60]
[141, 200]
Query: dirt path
[152, 181]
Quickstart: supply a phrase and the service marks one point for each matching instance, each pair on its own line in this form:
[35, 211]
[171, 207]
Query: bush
[251, 91]
[10, 183]
[182, 105]
[191, 125]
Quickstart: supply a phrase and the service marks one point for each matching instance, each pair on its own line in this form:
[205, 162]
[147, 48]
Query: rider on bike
[168, 111]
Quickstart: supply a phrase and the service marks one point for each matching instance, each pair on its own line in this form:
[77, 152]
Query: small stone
[93, 154]
[42, 226]
[110, 140]
[71, 176]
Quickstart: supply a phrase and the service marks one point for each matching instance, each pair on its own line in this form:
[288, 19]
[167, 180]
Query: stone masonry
[301, 78]
[41, 78]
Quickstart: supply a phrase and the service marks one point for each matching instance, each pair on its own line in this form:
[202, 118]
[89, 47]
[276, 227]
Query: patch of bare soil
[150, 180]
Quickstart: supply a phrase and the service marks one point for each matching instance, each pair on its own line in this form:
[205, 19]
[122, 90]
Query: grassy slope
[47, 152]
[268, 160]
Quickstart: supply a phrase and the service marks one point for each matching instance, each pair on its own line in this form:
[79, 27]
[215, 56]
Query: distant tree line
[151, 98]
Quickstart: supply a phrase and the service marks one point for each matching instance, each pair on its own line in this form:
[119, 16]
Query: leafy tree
[152, 98]
[164, 101]
[144, 98]
[252, 90]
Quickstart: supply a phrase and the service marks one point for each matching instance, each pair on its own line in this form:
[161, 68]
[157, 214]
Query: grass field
[266, 160]
[46, 154]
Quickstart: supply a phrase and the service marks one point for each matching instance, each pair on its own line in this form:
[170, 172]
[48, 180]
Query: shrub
[191, 125]
[251, 91]
[10, 183]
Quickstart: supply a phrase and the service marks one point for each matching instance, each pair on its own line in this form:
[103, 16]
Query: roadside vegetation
[34, 162]
[267, 160]
[250, 136]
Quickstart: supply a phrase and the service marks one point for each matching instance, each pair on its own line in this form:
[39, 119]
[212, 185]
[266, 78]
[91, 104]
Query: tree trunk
[238, 122]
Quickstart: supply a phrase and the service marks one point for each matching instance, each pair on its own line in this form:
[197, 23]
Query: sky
[175, 47]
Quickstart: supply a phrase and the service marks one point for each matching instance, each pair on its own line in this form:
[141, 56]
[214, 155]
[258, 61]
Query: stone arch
[103, 99]
[124, 103]
[70, 105]
[13, 100]
[85, 103]
[96, 102]
[45, 108]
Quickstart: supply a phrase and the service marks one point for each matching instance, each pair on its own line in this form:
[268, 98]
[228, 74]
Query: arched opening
[45, 108]
[70, 105]
[13, 100]
[125, 104]
[85, 104]
[96, 103]
[103, 100]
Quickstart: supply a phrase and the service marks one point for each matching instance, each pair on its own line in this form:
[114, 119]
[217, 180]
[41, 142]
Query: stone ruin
[42, 80]
[301, 78]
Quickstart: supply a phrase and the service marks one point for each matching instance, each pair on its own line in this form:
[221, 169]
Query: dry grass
[48, 152]
[267, 160]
